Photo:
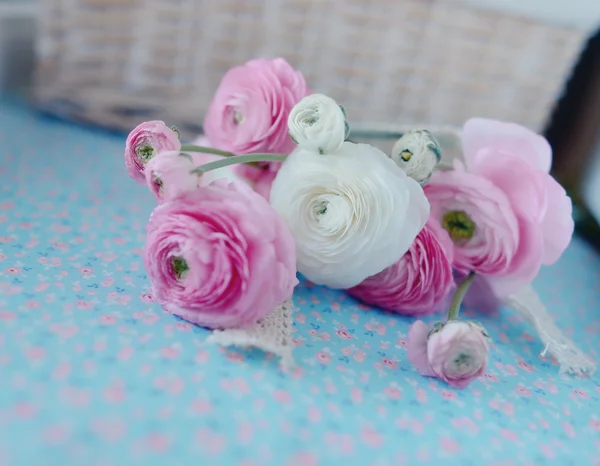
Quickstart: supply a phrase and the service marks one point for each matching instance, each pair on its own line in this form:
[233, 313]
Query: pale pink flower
[219, 256]
[506, 215]
[250, 109]
[455, 352]
[419, 282]
[169, 174]
[144, 142]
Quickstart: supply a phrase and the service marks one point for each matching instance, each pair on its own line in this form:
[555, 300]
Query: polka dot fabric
[92, 372]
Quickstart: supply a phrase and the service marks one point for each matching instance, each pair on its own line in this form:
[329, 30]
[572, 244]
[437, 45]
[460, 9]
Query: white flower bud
[417, 153]
[318, 123]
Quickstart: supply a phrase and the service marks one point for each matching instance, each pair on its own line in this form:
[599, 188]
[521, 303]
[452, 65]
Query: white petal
[352, 213]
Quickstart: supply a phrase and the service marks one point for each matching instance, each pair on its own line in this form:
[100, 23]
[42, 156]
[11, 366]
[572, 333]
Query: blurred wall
[17, 43]
[584, 14]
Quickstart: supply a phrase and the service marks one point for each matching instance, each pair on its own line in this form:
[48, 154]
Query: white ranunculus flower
[352, 213]
[318, 123]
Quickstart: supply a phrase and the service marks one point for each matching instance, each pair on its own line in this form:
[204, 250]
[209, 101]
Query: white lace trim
[272, 334]
[570, 358]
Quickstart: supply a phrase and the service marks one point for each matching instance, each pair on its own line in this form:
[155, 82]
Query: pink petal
[248, 172]
[173, 170]
[523, 185]
[442, 236]
[507, 138]
[264, 182]
[460, 383]
[417, 347]
[526, 262]
[557, 225]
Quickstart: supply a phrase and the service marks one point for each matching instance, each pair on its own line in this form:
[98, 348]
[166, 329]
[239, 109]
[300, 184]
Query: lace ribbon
[570, 358]
[272, 334]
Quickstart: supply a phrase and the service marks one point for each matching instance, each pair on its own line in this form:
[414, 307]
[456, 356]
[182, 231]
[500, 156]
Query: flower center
[159, 185]
[459, 225]
[463, 364]
[321, 207]
[145, 152]
[180, 267]
[238, 117]
[332, 213]
[462, 361]
[406, 155]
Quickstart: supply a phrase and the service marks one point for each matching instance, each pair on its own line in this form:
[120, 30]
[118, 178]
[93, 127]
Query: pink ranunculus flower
[250, 109]
[219, 256]
[455, 351]
[506, 215]
[144, 142]
[419, 283]
[169, 174]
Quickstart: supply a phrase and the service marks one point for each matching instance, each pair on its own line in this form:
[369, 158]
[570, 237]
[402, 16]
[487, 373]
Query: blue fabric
[94, 373]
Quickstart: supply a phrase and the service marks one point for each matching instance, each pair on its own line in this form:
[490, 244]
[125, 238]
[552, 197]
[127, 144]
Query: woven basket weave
[118, 62]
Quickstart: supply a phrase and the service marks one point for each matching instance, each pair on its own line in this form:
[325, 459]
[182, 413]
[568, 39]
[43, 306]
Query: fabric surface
[92, 372]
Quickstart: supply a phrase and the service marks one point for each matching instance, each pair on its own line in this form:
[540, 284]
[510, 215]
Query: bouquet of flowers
[275, 186]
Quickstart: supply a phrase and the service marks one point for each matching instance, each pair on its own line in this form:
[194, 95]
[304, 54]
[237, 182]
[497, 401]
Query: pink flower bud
[146, 141]
[455, 352]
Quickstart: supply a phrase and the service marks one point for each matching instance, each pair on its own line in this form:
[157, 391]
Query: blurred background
[114, 63]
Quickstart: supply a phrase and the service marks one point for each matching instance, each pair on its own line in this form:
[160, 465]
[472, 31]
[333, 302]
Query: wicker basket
[117, 62]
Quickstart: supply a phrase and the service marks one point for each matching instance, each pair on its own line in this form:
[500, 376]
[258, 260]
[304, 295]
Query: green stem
[459, 296]
[443, 167]
[375, 134]
[250, 158]
[205, 150]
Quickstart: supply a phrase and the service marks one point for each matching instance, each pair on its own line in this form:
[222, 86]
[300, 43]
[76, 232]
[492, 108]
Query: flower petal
[557, 225]
[507, 138]
[523, 185]
[420, 282]
[417, 347]
[525, 264]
